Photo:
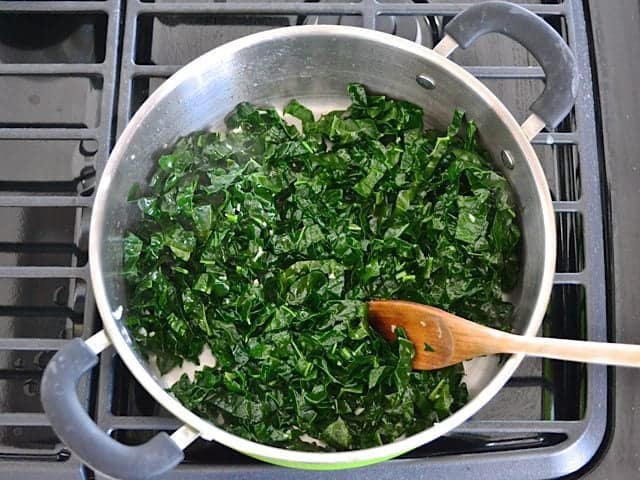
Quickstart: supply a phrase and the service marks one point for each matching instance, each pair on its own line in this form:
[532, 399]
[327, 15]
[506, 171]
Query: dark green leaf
[181, 242]
[337, 433]
[472, 218]
[132, 250]
[300, 112]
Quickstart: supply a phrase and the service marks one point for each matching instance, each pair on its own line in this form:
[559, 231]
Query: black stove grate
[548, 422]
[58, 64]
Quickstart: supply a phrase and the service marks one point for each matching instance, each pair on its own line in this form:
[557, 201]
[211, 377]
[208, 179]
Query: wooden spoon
[454, 339]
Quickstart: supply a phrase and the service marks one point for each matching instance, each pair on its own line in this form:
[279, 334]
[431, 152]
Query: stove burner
[44, 38]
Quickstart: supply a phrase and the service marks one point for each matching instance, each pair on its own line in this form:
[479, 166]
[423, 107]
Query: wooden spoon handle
[620, 354]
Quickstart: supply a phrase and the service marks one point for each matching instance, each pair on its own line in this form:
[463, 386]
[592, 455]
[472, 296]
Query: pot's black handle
[537, 36]
[76, 428]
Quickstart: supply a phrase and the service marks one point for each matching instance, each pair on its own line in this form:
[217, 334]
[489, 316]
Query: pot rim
[208, 430]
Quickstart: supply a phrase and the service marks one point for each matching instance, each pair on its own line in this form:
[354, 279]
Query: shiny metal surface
[314, 64]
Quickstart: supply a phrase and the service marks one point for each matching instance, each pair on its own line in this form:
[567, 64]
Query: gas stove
[73, 73]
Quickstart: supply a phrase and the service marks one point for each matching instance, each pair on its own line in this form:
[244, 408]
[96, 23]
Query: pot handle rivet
[425, 81]
[507, 159]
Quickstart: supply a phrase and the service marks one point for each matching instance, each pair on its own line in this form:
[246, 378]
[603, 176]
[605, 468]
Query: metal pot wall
[312, 64]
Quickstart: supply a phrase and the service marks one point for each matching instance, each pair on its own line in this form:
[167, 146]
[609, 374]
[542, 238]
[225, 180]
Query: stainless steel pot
[314, 65]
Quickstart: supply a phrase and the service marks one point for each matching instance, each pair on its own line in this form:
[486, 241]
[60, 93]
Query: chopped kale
[265, 242]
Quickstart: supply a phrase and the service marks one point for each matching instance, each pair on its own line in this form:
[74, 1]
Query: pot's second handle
[533, 33]
[76, 429]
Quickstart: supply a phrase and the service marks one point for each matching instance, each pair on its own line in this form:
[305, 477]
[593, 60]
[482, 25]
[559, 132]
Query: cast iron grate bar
[322, 8]
[54, 133]
[44, 201]
[45, 272]
[71, 69]
[108, 6]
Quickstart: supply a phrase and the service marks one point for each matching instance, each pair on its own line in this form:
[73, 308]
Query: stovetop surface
[616, 38]
[68, 69]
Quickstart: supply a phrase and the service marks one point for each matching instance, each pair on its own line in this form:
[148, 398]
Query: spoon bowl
[442, 339]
